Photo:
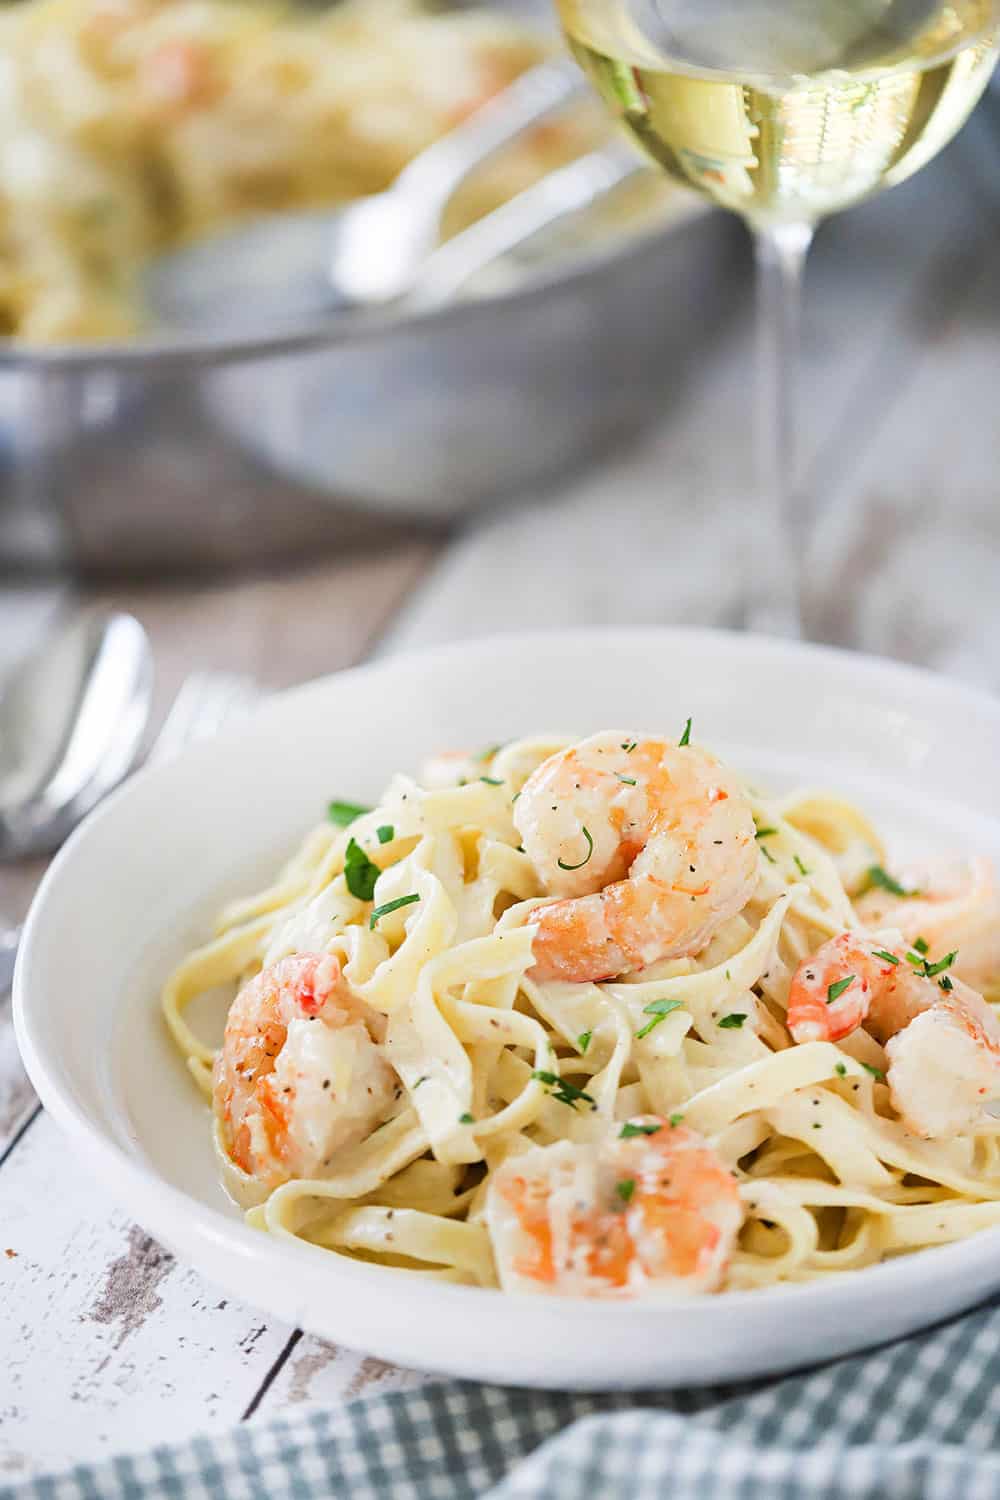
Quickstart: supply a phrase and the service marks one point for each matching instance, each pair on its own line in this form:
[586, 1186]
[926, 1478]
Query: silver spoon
[288, 267]
[72, 718]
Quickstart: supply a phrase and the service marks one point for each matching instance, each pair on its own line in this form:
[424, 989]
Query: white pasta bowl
[138, 883]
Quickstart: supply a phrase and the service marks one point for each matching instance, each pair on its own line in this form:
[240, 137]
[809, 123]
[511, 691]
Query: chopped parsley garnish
[878, 876]
[385, 834]
[625, 1188]
[732, 1022]
[834, 991]
[685, 738]
[343, 813]
[467, 1119]
[799, 865]
[629, 1131]
[419, 1082]
[388, 906]
[767, 854]
[875, 1072]
[676, 1120]
[840, 1069]
[764, 833]
[946, 984]
[359, 872]
[584, 1039]
[491, 781]
[583, 861]
[629, 745]
[562, 1090]
[890, 958]
[924, 970]
[921, 946]
[628, 780]
[659, 1010]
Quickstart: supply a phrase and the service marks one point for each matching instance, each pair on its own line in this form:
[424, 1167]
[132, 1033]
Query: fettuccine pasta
[599, 1019]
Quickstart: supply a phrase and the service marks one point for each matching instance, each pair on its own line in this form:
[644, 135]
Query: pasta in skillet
[127, 126]
[596, 1019]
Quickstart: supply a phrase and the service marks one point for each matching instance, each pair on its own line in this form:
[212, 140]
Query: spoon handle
[436, 173]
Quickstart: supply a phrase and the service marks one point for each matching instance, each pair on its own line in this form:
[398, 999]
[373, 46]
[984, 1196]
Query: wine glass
[785, 111]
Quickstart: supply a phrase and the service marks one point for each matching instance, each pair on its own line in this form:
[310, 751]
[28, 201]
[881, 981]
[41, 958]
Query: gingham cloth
[918, 1420]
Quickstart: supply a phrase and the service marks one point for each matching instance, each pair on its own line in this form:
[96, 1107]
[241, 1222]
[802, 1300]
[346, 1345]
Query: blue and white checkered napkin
[919, 1420]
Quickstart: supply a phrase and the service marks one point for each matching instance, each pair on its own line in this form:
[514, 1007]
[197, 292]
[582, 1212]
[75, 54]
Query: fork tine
[205, 702]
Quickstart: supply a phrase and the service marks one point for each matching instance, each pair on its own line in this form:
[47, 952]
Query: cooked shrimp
[299, 1075]
[852, 979]
[941, 1038]
[655, 1211]
[945, 1065]
[958, 906]
[651, 845]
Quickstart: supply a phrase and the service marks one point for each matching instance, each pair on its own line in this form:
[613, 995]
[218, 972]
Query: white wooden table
[107, 1344]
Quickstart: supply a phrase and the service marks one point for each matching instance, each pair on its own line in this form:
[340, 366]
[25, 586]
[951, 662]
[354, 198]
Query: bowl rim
[156, 354]
[157, 1203]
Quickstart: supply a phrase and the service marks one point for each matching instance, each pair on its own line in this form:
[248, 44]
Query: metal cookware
[213, 451]
[155, 458]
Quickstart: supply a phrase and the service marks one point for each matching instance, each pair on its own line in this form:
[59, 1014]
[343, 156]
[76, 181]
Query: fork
[205, 702]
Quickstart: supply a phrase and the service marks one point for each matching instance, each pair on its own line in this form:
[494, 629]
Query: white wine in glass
[785, 111]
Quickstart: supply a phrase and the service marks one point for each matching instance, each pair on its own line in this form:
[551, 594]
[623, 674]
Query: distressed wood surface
[113, 1342]
[108, 1342]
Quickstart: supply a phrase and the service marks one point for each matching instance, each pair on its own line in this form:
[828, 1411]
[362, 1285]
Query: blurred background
[565, 438]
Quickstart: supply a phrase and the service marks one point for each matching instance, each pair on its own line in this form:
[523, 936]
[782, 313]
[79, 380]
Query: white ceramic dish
[139, 880]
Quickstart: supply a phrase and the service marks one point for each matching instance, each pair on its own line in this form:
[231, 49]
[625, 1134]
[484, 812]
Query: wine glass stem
[775, 597]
